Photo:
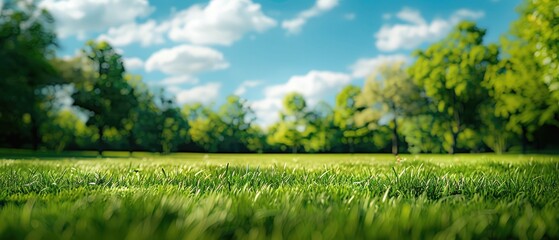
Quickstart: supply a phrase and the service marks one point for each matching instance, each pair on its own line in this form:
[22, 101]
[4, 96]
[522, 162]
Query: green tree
[143, 125]
[391, 92]
[27, 42]
[451, 73]
[423, 134]
[173, 126]
[256, 139]
[344, 116]
[521, 84]
[538, 25]
[238, 118]
[206, 127]
[292, 129]
[60, 132]
[322, 134]
[106, 96]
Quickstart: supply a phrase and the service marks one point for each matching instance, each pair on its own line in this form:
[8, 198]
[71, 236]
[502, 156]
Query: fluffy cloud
[186, 60]
[133, 63]
[313, 86]
[176, 80]
[204, 94]
[365, 66]
[294, 26]
[416, 30]
[148, 33]
[266, 110]
[221, 22]
[79, 17]
[245, 86]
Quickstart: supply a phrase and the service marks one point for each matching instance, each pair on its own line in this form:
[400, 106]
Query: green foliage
[323, 136]
[192, 196]
[238, 118]
[207, 127]
[344, 117]
[451, 73]
[459, 94]
[27, 42]
[106, 95]
[538, 25]
[293, 127]
[422, 133]
[62, 131]
[389, 92]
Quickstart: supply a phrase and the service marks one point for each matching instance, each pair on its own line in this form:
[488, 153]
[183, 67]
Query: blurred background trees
[457, 95]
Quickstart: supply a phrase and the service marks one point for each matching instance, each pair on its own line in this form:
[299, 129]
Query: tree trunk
[458, 122]
[35, 138]
[100, 142]
[131, 143]
[351, 145]
[454, 142]
[524, 139]
[395, 137]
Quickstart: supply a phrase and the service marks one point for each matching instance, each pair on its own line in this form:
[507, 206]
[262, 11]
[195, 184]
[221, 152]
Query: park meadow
[245, 119]
[280, 196]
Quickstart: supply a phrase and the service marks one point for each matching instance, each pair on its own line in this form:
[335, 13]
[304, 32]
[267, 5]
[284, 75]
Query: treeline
[458, 95]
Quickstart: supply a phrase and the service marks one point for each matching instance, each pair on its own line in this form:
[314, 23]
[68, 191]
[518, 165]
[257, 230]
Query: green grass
[198, 196]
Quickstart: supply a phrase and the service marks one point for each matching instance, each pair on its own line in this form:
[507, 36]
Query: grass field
[198, 196]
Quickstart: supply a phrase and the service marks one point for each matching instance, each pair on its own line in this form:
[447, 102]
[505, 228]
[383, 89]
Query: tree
[206, 127]
[423, 134]
[522, 83]
[173, 127]
[538, 26]
[390, 92]
[238, 118]
[292, 129]
[344, 116]
[60, 133]
[521, 99]
[27, 42]
[106, 96]
[451, 73]
[256, 139]
[322, 134]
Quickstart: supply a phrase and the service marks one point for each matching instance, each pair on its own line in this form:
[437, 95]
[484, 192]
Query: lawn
[255, 196]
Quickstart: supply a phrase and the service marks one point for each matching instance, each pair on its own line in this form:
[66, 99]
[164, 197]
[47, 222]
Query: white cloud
[364, 67]
[204, 94]
[411, 15]
[416, 30]
[266, 110]
[186, 60]
[148, 33]
[175, 80]
[294, 26]
[133, 63]
[313, 86]
[80, 17]
[220, 22]
[245, 86]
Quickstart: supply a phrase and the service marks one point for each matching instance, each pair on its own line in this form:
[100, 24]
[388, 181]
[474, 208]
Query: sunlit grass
[195, 196]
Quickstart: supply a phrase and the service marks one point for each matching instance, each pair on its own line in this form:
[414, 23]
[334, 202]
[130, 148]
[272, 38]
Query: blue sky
[203, 51]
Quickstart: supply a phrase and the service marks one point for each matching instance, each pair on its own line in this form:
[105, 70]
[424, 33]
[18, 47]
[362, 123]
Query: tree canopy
[458, 94]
